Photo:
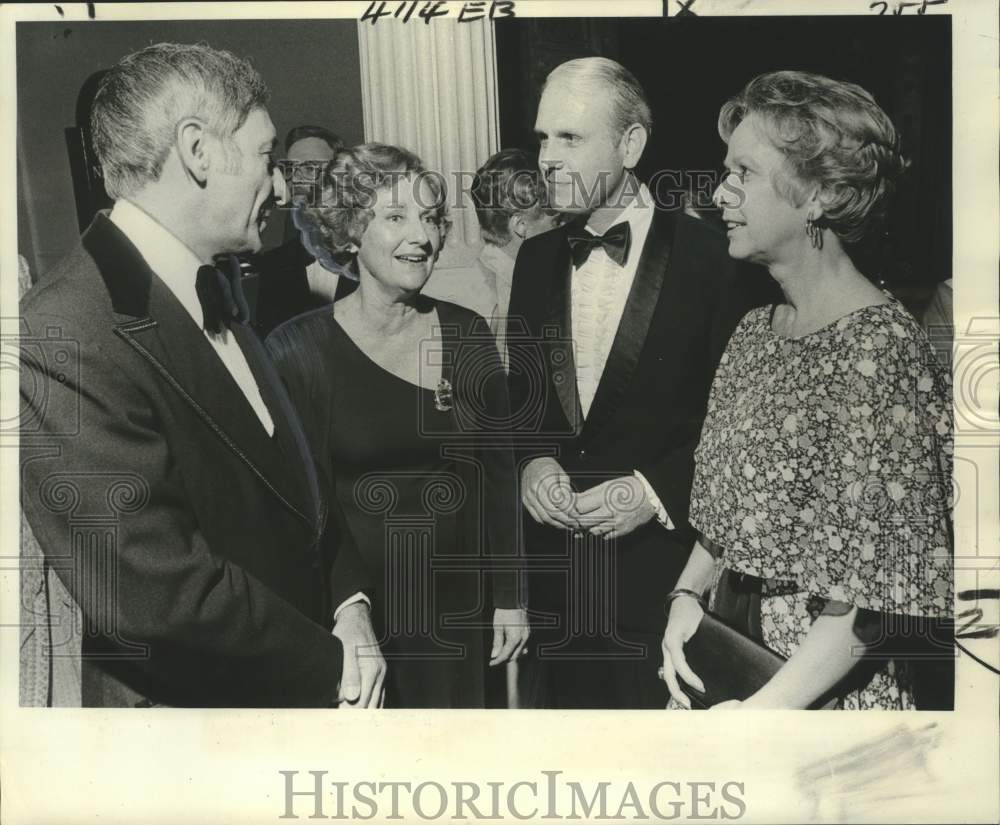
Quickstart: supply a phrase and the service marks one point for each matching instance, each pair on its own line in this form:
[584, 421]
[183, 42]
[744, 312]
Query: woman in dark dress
[404, 402]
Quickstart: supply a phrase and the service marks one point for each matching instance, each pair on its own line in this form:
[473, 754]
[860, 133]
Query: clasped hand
[612, 509]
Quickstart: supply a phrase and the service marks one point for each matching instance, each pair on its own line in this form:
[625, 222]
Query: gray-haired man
[163, 470]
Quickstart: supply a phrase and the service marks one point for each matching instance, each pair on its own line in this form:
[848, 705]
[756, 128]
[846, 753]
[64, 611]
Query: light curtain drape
[432, 89]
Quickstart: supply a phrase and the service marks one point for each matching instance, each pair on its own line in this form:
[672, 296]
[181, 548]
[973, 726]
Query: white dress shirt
[177, 266]
[599, 290]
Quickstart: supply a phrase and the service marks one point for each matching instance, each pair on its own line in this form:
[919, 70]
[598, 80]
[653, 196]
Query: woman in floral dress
[824, 464]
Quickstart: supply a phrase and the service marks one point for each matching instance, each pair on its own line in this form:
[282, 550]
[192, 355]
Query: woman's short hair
[351, 182]
[509, 182]
[141, 99]
[628, 99]
[833, 135]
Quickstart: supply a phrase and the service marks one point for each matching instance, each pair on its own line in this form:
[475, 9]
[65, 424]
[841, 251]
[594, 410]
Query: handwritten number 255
[900, 7]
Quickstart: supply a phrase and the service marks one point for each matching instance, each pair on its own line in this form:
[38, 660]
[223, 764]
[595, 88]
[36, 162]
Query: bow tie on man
[220, 292]
[616, 242]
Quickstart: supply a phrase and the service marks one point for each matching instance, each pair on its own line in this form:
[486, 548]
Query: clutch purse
[730, 664]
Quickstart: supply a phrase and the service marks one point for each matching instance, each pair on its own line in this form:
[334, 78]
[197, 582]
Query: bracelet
[676, 593]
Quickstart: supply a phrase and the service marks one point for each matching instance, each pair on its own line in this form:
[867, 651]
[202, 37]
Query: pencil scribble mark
[858, 783]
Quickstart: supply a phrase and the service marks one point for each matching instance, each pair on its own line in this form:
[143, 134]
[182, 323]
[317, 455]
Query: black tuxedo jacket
[646, 415]
[197, 546]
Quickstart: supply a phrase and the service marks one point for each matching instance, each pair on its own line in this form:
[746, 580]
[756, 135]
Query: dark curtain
[690, 66]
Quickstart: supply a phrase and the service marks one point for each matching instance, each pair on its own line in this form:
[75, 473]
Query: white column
[432, 89]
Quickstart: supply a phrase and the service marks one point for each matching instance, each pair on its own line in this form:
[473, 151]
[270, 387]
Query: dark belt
[737, 602]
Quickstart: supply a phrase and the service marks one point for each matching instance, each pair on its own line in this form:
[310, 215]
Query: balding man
[628, 309]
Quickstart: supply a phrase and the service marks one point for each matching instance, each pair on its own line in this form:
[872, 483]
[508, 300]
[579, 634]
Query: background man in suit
[509, 195]
[628, 309]
[164, 473]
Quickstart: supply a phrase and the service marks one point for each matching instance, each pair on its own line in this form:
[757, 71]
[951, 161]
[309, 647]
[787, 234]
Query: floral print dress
[824, 468]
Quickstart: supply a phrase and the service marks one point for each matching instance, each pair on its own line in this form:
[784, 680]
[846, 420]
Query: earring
[815, 233]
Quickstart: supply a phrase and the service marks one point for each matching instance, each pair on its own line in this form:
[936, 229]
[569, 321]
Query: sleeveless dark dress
[429, 494]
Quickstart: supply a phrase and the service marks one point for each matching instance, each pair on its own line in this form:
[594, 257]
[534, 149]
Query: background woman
[825, 459]
[404, 401]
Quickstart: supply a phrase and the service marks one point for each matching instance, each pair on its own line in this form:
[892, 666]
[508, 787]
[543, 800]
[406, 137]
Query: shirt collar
[638, 214]
[171, 261]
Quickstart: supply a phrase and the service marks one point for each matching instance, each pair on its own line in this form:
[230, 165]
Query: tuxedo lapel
[559, 348]
[288, 430]
[161, 331]
[634, 325]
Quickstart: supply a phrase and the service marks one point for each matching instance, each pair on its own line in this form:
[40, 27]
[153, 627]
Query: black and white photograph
[503, 410]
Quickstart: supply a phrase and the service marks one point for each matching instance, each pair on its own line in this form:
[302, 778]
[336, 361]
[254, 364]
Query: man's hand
[364, 666]
[510, 633]
[615, 508]
[548, 495]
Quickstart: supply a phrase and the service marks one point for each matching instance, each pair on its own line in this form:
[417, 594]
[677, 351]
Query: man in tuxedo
[163, 470]
[627, 310]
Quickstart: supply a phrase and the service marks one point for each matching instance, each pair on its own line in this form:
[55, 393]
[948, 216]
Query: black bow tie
[221, 294]
[616, 242]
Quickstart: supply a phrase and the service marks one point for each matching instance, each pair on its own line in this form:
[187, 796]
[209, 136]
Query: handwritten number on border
[902, 5]
[404, 10]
